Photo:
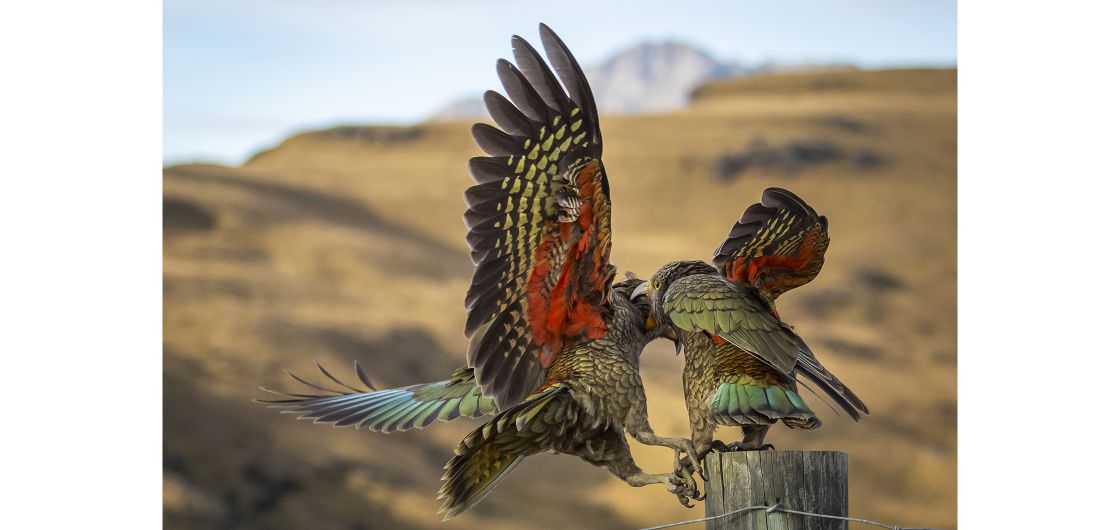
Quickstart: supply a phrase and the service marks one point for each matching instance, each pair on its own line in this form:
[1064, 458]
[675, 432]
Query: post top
[779, 455]
[779, 452]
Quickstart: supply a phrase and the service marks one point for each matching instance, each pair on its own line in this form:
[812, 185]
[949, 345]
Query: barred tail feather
[395, 409]
[471, 477]
[487, 455]
[750, 403]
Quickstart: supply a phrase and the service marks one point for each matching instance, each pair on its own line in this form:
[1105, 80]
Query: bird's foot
[685, 465]
[720, 447]
[680, 445]
[740, 446]
[682, 474]
[684, 487]
[685, 446]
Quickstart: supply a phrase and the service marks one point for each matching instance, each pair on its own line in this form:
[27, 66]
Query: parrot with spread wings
[741, 360]
[554, 340]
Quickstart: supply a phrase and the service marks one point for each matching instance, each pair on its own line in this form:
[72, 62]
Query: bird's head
[659, 283]
[643, 319]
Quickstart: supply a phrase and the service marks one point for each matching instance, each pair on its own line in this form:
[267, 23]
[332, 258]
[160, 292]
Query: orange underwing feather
[777, 245]
[573, 310]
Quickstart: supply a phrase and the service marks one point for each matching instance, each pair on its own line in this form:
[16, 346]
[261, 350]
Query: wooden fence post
[808, 481]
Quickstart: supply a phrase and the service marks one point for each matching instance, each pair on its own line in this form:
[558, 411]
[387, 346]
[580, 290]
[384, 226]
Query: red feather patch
[571, 310]
[769, 267]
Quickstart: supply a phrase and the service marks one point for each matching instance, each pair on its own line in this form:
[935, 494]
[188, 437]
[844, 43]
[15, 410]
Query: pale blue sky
[239, 75]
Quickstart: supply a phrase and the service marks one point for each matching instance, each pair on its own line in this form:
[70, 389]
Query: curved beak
[640, 290]
[670, 333]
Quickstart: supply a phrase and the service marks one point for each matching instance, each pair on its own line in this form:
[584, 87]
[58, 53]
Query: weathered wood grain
[810, 481]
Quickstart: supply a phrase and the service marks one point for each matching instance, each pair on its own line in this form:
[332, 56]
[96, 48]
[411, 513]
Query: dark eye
[656, 284]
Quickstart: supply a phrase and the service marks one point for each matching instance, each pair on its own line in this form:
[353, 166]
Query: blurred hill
[653, 77]
[347, 244]
[649, 77]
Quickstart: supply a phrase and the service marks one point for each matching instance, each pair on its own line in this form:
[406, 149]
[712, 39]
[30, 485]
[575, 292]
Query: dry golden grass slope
[348, 244]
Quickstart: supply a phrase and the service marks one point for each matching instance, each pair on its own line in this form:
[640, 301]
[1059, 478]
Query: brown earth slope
[347, 244]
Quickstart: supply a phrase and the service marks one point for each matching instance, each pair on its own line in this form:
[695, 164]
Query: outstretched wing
[539, 223]
[777, 245]
[394, 409]
[709, 303]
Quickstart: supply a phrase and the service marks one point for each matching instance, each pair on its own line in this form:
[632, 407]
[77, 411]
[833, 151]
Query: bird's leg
[752, 440]
[637, 424]
[613, 452]
[681, 445]
[683, 487]
[753, 436]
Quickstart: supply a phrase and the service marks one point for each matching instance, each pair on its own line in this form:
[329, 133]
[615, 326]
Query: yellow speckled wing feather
[539, 223]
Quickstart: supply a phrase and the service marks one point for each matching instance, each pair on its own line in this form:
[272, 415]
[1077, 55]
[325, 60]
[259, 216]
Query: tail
[813, 370]
[395, 409]
[487, 455]
[753, 402]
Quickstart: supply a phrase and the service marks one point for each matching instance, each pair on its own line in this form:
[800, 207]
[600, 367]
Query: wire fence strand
[779, 508]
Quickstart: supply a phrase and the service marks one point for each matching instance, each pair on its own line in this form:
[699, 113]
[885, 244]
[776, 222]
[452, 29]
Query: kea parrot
[554, 341]
[741, 360]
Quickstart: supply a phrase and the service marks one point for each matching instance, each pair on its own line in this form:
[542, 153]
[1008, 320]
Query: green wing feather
[394, 409]
[736, 314]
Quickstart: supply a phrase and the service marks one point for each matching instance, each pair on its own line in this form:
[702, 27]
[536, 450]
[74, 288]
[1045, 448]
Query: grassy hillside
[347, 244]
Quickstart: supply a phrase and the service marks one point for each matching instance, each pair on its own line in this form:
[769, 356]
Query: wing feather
[395, 409]
[576, 82]
[538, 223]
[712, 304]
[777, 245]
[522, 94]
[494, 141]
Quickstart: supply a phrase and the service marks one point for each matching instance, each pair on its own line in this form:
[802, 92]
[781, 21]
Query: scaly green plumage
[709, 303]
[741, 360]
[592, 396]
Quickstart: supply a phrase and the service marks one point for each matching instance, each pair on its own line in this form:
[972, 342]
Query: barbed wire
[778, 508]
